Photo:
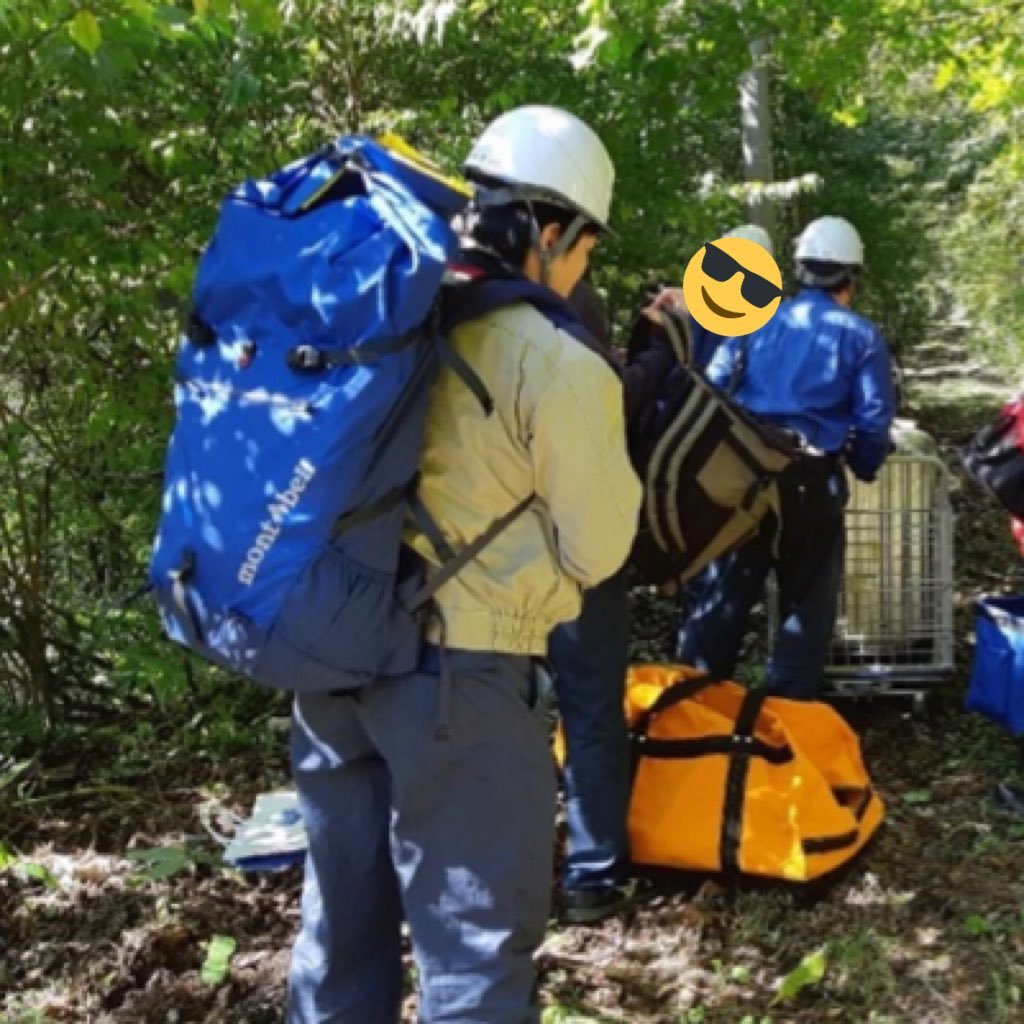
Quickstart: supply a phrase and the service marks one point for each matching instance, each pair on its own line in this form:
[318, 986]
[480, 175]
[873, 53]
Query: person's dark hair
[505, 229]
[838, 275]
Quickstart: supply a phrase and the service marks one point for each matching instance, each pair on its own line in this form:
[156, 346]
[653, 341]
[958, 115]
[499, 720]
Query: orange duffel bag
[730, 780]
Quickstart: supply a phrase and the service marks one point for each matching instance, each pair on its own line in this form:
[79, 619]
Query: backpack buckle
[306, 359]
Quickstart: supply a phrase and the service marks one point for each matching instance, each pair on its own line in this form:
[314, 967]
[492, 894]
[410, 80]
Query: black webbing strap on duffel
[740, 744]
[736, 781]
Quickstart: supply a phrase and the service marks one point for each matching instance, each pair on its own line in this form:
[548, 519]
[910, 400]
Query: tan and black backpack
[709, 467]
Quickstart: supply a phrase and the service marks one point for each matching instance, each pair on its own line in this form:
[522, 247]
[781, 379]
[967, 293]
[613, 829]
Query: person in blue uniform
[822, 371]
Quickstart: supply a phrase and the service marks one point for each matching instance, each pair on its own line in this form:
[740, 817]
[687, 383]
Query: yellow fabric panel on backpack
[422, 163]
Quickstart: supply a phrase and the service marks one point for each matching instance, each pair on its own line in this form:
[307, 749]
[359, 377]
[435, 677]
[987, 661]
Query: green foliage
[129, 114]
[39, 873]
[7, 857]
[808, 972]
[125, 121]
[695, 1015]
[568, 1015]
[84, 29]
[917, 796]
[217, 965]
[29, 1017]
[26, 869]
[159, 863]
[977, 925]
[860, 967]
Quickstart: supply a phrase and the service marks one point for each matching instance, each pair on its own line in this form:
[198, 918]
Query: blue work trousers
[429, 801]
[589, 658]
[806, 555]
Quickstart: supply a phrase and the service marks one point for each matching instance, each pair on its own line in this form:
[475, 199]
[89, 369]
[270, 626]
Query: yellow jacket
[557, 432]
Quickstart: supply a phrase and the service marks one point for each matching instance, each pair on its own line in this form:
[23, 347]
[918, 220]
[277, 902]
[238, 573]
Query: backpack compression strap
[457, 562]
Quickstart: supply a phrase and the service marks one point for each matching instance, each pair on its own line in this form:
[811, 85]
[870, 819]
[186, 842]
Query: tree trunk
[756, 129]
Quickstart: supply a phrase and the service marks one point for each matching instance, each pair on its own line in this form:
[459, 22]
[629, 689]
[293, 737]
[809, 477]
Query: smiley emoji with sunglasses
[732, 286]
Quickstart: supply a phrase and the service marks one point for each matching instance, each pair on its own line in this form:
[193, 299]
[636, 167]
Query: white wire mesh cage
[894, 629]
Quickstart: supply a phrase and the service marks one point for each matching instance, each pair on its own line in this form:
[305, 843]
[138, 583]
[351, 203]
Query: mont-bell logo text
[280, 504]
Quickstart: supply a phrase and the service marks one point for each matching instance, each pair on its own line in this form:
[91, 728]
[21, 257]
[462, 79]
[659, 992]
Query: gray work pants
[430, 802]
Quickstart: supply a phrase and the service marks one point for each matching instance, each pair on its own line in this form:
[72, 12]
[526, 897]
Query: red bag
[994, 458]
[1017, 526]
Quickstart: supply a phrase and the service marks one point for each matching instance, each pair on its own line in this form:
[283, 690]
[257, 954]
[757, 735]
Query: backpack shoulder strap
[478, 296]
[475, 298]
[680, 337]
[460, 304]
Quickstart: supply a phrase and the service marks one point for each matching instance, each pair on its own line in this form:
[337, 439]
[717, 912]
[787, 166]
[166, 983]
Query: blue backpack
[302, 387]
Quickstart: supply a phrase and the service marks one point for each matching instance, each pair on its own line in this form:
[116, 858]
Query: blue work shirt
[819, 369]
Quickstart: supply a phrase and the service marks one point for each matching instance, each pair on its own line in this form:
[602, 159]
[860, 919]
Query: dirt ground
[927, 926]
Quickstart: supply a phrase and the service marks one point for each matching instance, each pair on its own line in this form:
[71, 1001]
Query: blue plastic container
[997, 679]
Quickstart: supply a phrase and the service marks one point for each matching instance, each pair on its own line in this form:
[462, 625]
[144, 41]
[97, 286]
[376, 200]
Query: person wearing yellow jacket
[430, 798]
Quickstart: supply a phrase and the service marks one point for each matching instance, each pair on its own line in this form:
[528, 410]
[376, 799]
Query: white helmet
[545, 153]
[753, 233]
[830, 240]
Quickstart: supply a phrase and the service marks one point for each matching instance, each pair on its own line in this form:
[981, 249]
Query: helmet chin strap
[547, 256]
